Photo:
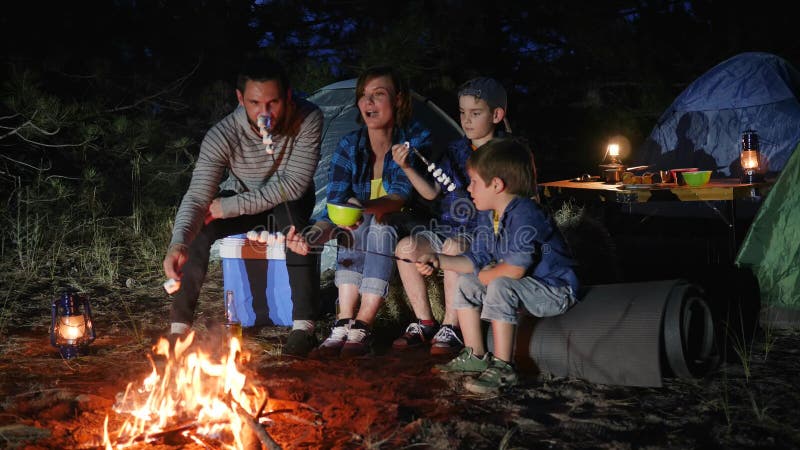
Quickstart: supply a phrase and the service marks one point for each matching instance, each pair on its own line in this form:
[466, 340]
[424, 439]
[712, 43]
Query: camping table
[727, 190]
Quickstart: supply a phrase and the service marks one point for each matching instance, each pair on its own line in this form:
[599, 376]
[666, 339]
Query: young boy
[482, 107]
[517, 258]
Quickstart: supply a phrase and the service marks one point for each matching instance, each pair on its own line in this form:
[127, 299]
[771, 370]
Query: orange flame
[193, 388]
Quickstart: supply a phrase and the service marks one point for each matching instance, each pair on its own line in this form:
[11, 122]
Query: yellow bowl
[344, 215]
[698, 178]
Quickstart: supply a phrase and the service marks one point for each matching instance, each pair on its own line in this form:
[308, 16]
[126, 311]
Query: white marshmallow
[451, 188]
[172, 285]
[437, 172]
[252, 235]
[431, 167]
[271, 240]
[263, 236]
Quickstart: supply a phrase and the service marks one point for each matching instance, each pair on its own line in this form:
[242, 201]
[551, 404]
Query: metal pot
[612, 173]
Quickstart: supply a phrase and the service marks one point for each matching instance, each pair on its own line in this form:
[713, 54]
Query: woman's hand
[400, 155]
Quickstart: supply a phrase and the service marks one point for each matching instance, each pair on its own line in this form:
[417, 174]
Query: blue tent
[702, 127]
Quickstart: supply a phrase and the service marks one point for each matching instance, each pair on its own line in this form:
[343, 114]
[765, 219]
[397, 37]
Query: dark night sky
[576, 70]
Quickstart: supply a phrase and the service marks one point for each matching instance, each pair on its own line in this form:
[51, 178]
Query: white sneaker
[333, 344]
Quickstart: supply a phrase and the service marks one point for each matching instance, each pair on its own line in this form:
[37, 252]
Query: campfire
[198, 395]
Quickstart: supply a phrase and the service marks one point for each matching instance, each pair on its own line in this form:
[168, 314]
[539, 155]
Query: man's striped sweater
[232, 147]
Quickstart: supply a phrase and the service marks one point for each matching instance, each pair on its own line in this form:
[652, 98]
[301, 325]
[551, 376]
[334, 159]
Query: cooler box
[256, 273]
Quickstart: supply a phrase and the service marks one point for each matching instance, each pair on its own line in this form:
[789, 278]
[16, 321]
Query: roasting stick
[437, 173]
[394, 257]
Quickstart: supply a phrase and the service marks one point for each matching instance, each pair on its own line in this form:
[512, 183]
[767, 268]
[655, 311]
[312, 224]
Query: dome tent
[703, 125]
[337, 102]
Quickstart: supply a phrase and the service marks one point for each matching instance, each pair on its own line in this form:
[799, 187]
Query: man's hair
[402, 114]
[509, 160]
[263, 69]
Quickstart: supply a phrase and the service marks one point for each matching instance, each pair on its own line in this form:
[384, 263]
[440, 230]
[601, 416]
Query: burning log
[207, 395]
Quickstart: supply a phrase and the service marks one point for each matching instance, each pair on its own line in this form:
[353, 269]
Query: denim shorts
[372, 269]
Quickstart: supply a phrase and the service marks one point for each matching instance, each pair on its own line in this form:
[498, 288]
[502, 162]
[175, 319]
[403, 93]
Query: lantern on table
[750, 158]
[71, 329]
[613, 153]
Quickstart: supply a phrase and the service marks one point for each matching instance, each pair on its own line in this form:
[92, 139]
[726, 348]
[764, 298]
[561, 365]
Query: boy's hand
[427, 263]
[296, 242]
[400, 155]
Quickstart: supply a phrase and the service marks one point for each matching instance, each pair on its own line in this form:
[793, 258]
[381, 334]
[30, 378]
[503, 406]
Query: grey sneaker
[359, 340]
[447, 341]
[465, 362]
[333, 345]
[500, 374]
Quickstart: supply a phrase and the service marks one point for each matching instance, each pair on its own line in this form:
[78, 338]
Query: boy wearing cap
[518, 258]
[482, 107]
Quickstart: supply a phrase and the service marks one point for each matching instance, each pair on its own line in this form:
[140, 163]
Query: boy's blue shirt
[350, 173]
[456, 210]
[528, 238]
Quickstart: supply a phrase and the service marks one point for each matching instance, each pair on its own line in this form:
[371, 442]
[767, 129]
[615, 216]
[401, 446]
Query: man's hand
[427, 263]
[296, 242]
[214, 211]
[174, 260]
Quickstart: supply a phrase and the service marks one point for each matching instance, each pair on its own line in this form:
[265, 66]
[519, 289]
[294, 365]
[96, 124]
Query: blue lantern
[71, 329]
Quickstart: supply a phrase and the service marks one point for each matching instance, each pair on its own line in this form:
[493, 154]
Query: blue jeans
[504, 296]
[371, 272]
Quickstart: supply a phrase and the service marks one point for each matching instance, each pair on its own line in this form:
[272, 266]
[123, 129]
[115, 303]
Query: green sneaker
[464, 362]
[500, 374]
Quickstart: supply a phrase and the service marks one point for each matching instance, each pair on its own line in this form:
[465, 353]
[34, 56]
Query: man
[267, 190]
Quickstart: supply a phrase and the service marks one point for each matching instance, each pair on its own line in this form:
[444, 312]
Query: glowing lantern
[71, 329]
[613, 153]
[750, 158]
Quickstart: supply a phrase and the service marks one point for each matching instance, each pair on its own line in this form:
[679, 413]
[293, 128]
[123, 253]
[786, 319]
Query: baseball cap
[487, 89]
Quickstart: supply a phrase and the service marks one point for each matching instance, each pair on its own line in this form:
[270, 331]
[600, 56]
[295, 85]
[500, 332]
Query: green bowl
[344, 215]
[698, 178]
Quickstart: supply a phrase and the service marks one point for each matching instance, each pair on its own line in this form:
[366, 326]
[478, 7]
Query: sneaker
[500, 374]
[299, 343]
[333, 345]
[416, 335]
[465, 362]
[447, 341]
[359, 338]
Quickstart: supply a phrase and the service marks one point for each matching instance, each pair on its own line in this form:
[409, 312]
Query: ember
[196, 395]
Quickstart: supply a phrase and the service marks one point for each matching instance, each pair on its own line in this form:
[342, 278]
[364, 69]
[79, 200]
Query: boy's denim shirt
[527, 238]
[456, 209]
[351, 171]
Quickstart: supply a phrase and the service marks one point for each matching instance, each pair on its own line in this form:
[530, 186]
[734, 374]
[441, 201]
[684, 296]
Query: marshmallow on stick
[437, 173]
[172, 285]
[264, 124]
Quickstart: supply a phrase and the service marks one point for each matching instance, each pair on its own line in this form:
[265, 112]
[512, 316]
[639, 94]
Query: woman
[363, 172]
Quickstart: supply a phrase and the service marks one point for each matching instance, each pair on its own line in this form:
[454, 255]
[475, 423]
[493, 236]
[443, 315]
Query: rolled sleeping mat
[630, 334]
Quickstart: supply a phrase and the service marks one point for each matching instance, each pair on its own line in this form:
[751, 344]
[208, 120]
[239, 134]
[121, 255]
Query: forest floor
[388, 400]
